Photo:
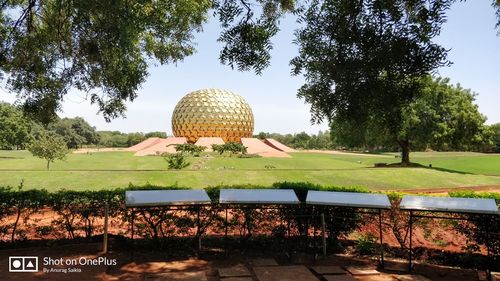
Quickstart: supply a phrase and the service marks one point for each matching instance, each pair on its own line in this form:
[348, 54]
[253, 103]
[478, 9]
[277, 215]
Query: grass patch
[118, 169]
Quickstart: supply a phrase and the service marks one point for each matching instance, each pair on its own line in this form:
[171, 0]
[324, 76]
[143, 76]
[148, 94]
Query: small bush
[176, 161]
[190, 148]
[366, 244]
[234, 148]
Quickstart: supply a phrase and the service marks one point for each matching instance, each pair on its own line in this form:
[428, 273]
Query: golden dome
[212, 113]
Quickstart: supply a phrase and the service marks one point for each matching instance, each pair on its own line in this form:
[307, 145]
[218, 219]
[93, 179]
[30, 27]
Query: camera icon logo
[23, 264]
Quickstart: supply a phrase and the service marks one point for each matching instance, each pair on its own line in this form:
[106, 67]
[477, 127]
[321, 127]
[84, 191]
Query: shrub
[398, 221]
[190, 148]
[366, 244]
[480, 229]
[231, 147]
[176, 161]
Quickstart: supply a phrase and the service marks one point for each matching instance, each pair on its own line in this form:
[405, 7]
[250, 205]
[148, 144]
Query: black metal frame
[357, 210]
[172, 207]
[412, 215]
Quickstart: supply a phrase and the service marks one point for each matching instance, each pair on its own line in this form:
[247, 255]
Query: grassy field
[119, 169]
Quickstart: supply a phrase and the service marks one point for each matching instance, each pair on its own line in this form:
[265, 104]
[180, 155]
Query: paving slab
[342, 277]
[284, 273]
[302, 258]
[328, 269]
[375, 278]
[396, 266]
[362, 270]
[237, 279]
[234, 271]
[263, 262]
[411, 277]
[177, 276]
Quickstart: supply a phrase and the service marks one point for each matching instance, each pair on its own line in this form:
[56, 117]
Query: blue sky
[469, 33]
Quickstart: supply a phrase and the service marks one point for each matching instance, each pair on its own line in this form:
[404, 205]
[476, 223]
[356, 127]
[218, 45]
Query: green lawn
[461, 162]
[118, 169]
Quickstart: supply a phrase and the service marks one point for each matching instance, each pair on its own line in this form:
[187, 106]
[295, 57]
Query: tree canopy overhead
[364, 59]
[103, 48]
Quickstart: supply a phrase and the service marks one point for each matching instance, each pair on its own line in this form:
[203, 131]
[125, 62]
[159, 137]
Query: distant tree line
[302, 140]
[444, 119]
[119, 139]
[18, 132]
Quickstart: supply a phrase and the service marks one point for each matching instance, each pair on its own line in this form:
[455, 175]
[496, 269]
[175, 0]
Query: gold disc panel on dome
[212, 113]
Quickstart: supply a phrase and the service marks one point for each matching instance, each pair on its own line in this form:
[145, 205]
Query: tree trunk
[48, 165]
[405, 151]
[14, 227]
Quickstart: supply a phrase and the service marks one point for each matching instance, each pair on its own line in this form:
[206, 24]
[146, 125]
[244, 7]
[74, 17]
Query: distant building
[213, 113]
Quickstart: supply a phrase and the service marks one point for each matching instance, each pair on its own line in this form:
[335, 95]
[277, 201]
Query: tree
[75, 131]
[103, 48]
[443, 117]
[496, 138]
[301, 140]
[365, 59]
[84, 129]
[14, 127]
[156, 135]
[49, 146]
[134, 138]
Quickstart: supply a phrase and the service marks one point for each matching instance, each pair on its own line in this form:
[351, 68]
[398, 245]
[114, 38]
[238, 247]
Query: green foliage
[366, 244]
[247, 31]
[363, 60]
[119, 139]
[103, 48]
[478, 227]
[22, 204]
[75, 131]
[14, 127]
[134, 138]
[156, 135]
[443, 117]
[496, 137]
[302, 140]
[219, 148]
[190, 148]
[91, 45]
[496, 5]
[176, 161]
[49, 146]
[231, 147]
[80, 213]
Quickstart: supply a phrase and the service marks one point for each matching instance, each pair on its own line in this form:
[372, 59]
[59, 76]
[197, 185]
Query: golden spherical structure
[212, 113]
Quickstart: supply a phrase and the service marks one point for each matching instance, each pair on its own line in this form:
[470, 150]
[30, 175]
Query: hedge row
[80, 213]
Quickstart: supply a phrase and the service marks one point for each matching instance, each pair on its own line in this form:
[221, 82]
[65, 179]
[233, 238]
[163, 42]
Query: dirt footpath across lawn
[444, 191]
